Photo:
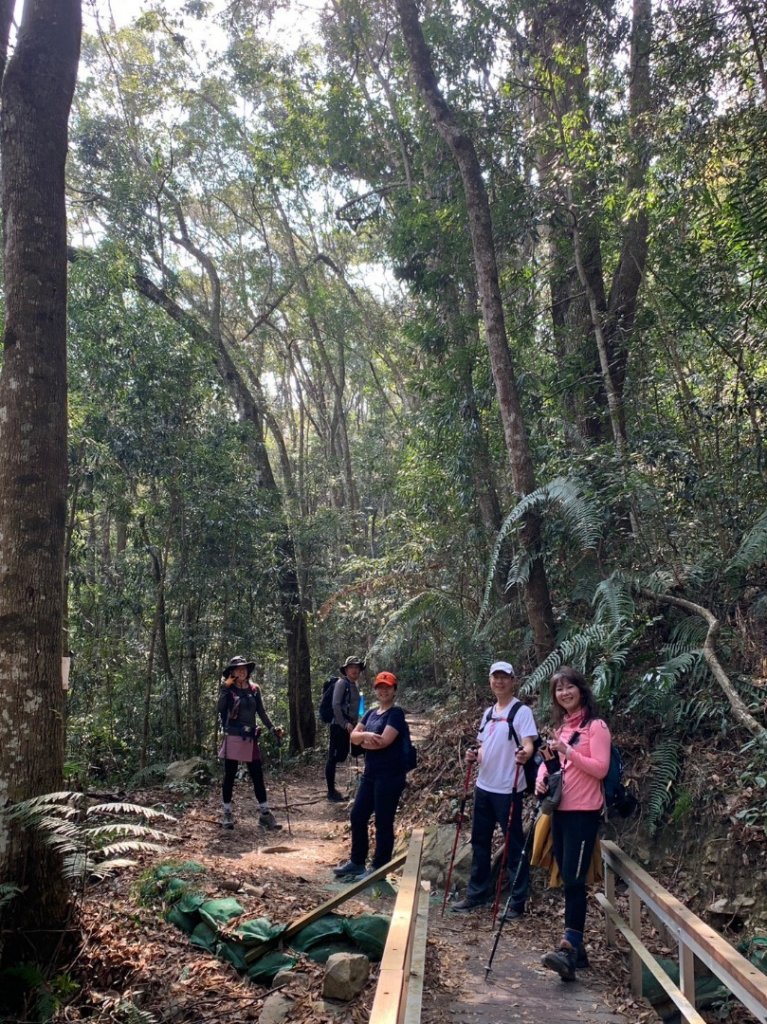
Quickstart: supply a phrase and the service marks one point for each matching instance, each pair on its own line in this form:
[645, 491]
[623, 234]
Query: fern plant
[92, 841]
[579, 515]
[752, 549]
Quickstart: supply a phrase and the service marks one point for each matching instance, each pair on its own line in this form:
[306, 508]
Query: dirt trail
[282, 875]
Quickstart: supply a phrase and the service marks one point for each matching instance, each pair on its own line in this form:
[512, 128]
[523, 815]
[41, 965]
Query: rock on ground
[346, 974]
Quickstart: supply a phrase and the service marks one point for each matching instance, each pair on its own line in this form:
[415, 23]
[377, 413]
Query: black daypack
[530, 767]
[618, 799]
[325, 707]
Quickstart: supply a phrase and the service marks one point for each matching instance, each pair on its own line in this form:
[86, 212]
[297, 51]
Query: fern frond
[572, 650]
[612, 601]
[124, 829]
[129, 846]
[106, 867]
[665, 763]
[690, 631]
[8, 893]
[122, 808]
[753, 547]
[580, 515]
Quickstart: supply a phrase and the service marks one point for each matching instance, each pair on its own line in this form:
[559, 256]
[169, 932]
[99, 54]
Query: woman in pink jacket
[582, 742]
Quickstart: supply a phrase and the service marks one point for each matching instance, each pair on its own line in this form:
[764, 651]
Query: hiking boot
[267, 820]
[227, 821]
[336, 798]
[562, 961]
[581, 960]
[465, 904]
[513, 914]
[349, 868]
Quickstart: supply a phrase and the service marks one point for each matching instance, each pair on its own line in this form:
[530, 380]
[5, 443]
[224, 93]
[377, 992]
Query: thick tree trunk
[37, 89]
[537, 599]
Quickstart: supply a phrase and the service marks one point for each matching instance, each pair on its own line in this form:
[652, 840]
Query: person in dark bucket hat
[346, 702]
[240, 704]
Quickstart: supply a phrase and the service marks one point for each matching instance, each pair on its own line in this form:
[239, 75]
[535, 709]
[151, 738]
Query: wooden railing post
[635, 923]
[610, 931]
[686, 969]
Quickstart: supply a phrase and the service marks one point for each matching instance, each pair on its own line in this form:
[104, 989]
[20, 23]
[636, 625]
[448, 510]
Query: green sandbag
[264, 970]
[175, 888]
[368, 932]
[186, 922]
[326, 929]
[259, 929]
[218, 912]
[708, 988]
[204, 937]
[189, 867]
[190, 903]
[233, 952]
[320, 952]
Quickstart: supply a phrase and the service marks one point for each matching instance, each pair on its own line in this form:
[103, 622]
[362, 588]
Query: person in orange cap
[384, 735]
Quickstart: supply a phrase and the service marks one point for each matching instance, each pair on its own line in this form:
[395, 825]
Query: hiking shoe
[349, 868]
[227, 821]
[562, 961]
[465, 904]
[267, 820]
[513, 914]
[336, 798]
[581, 960]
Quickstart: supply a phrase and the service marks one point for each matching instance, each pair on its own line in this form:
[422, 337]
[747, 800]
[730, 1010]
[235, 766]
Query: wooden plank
[324, 908]
[403, 917]
[740, 976]
[389, 1006]
[683, 1004]
[412, 1011]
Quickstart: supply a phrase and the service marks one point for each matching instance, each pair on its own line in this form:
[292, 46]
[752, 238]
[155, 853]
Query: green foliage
[753, 547]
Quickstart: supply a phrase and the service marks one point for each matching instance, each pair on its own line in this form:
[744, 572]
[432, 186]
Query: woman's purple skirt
[235, 748]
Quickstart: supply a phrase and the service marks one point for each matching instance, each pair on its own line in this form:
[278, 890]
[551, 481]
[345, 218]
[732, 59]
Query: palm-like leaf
[753, 547]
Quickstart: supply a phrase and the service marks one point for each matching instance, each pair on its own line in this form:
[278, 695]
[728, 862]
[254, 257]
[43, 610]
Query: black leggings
[256, 774]
[574, 834]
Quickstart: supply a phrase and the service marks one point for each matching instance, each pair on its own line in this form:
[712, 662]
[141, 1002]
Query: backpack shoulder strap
[486, 719]
[510, 719]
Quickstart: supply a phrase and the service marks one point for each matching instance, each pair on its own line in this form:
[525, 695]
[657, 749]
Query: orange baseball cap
[385, 679]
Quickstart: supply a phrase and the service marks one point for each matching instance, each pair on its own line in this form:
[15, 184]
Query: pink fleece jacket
[584, 765]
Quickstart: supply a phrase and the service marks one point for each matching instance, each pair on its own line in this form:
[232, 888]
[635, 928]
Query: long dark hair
[588, 702]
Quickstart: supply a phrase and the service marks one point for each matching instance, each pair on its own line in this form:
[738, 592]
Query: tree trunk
[36, 96]
[537, 599]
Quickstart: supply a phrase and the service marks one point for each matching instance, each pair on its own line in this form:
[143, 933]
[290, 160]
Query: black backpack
[325, 708]
[618, 799]
[530, 767]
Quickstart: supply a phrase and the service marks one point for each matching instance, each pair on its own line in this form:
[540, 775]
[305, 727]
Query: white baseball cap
[502, 666]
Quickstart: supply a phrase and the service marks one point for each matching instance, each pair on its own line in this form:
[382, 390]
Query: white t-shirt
[496, 773]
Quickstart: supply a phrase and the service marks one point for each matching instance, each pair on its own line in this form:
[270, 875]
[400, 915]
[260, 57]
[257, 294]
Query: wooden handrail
[391, 1004]
[695, 938]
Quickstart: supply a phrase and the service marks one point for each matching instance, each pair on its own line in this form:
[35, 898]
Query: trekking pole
[523, 853]
[466, 782]
[506, 841]
[284, 787]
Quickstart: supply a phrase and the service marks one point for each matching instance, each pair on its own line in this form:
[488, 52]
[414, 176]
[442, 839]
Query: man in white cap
[506, 740]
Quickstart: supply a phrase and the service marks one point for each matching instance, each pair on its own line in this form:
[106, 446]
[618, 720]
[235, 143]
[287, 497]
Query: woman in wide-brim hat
[240, 705]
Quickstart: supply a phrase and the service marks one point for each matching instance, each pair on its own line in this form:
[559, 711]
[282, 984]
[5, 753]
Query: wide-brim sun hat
[238, 662]
[502, 666]
[353, 660]
[385, 679]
